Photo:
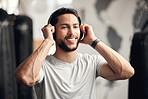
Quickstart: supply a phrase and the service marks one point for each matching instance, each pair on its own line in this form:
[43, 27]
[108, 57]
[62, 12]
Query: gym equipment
[138, 84]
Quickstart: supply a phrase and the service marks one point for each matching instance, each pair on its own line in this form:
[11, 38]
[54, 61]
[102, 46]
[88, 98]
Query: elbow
[131, 73]
[128, 73]
[22, 79]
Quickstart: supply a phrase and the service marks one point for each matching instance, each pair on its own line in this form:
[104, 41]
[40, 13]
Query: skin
[67, 25]
[68, 31]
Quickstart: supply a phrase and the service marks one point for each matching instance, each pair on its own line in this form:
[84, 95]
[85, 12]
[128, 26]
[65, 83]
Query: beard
[64, 47]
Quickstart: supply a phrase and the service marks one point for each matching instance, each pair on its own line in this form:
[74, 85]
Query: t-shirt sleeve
[41, 74]
[99, 63]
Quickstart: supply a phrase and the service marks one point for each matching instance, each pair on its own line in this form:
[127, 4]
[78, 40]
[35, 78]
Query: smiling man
[68, 31]
[68, 74]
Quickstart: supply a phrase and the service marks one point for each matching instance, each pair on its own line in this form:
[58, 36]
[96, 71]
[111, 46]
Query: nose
[71, 31]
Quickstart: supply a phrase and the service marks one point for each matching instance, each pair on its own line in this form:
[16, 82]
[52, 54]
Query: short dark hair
[53, 19]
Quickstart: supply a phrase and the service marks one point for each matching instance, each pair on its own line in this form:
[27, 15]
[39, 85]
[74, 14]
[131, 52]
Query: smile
[71, 38]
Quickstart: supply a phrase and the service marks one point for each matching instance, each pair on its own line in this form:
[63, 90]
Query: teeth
[71, 39]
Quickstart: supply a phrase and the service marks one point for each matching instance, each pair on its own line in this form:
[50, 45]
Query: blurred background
[121, 24]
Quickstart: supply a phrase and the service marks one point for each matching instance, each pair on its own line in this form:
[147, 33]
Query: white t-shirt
[75, 80]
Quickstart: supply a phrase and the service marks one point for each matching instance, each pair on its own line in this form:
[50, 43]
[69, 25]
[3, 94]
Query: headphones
[53, 23]
[81, 34]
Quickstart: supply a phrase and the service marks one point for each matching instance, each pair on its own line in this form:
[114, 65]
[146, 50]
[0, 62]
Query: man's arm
[28, 72]
[116, 67]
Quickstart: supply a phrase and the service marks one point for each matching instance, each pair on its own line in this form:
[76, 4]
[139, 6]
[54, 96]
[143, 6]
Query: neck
[65, 56]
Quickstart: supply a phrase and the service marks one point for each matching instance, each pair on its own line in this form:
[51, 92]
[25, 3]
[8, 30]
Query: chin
[67, 48]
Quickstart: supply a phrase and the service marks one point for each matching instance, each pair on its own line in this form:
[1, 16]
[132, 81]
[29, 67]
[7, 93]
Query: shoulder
[97, 58]
[49, 60]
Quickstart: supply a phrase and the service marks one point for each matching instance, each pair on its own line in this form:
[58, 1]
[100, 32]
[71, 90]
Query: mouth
[71, 39]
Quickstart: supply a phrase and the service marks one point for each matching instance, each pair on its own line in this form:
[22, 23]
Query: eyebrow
[68, 24]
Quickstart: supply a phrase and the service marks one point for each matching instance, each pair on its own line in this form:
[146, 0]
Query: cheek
[78, 33]
[60, 34]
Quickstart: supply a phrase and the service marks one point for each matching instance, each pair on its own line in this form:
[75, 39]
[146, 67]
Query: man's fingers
[82, 28]
[48, 28]
[52, 29]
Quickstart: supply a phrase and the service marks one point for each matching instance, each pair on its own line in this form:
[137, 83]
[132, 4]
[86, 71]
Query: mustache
[69, 36]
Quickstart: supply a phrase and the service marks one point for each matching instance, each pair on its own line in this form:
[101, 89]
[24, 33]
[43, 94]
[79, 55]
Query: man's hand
[89, 35]
[48, 31]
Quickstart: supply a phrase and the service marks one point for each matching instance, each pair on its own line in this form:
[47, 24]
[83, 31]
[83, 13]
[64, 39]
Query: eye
[63, 27]
[76, 26]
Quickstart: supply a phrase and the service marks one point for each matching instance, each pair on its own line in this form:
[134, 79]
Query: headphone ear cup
[81, 35]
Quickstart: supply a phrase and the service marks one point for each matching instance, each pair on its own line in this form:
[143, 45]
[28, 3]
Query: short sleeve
[99, 63]
[41, 74]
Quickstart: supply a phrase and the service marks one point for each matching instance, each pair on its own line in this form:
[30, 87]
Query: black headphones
[53, 23]
[81, 34]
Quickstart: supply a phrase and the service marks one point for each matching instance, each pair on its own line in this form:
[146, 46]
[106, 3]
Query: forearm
[118, 64]
[116, 67]
[29, 69]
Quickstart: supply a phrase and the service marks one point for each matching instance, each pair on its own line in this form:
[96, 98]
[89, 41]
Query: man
[68, 74]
